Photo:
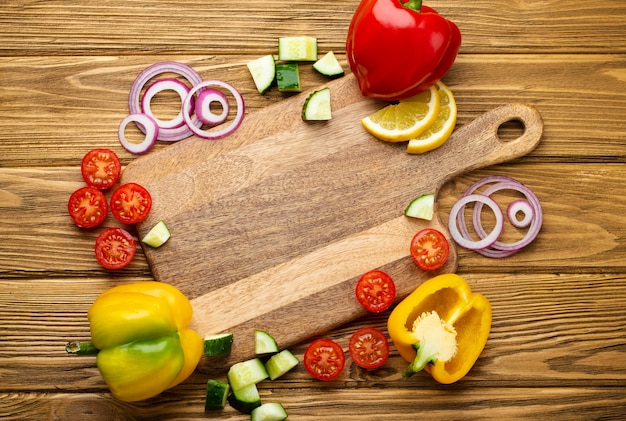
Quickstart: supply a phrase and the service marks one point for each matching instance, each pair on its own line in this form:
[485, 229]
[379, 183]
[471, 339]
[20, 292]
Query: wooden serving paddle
[273, 226]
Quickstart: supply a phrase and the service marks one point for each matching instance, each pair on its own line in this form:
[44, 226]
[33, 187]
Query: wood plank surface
[318, 202]
[557, 346]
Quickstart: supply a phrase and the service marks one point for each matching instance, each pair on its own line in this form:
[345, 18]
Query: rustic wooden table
[557, 348]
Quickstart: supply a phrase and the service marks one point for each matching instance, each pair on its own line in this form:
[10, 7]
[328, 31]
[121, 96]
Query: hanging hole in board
[511, 130]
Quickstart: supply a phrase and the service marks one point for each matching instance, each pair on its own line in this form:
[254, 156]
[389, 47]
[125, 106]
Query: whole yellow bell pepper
[441, 327]
[144, 344]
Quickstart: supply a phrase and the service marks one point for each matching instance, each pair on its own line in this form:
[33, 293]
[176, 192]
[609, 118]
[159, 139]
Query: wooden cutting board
[272, 226]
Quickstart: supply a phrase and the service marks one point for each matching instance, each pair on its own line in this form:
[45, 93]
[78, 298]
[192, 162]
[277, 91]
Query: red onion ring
[161, 85]
[499, 249]
[465, 241]
[216, 134]
[205, 114]
[535, 224]
[134, 103]
[523, 207]
[147, 125]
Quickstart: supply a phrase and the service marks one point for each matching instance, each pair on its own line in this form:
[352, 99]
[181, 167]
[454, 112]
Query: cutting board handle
[478, 144]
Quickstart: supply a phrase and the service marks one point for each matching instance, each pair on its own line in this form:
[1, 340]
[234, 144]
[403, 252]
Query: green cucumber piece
[216, 394]
[264, 343]
[421, 207]
[158, 235]
[245, 373]
[280, 363]
[328, 65]
[270, 411]
[288, 77]
[218, 345]
[263, 71]
[245, 399]
[317, 106]
[298, 48]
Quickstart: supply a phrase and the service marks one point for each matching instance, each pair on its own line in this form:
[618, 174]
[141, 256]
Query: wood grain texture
[291, 213]
[556, 349]
[580, 97]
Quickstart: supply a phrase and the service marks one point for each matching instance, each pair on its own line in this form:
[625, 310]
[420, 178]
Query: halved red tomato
[115, 248]
[324, 359]
[130, 203]
[87, 207]
[430, 249]
[375, 291]
[369, 348]
[101, 168]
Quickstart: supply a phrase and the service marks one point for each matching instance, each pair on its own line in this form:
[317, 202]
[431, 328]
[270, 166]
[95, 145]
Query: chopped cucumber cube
[245, 399]
[263, 71]
[158, 235]
[317, 106]
[328, 65]
[280, 363]
[298, 48]
[270, 411]
[245, 373]
[218, 345]
[216, 394]
[288, 77]
[421, 207]
[264, 343]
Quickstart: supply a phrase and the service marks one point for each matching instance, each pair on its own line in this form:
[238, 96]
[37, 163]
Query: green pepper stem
[413, 5]
[81, 348]
[424, 356]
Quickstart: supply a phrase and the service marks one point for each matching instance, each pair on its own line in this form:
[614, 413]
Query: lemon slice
[406, 119]
[443, 126]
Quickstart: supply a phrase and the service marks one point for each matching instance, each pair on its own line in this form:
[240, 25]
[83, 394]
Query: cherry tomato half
[375, 291]
[369, 348]
[115, 248]
[130, 203]
[324, 359]
[101, 168]
[430, 249]
[87, 207]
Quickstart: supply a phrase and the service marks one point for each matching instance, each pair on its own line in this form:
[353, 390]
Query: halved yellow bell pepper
[441, 327]
[144, 344]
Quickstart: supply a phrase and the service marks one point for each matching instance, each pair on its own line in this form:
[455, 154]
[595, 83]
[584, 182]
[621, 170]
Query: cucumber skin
[418, 202]
[254, 368]
[216, 394]
[322, 68]
[264, 343]
[263, 85]
[211, 349]
[244, 404]
[271, 411]
[288, 77]
[286, 356]
[283, 56]
[161, 225]
[307, 115]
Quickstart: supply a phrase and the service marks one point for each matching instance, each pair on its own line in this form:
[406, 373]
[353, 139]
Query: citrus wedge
[441, 129]
[406, 119]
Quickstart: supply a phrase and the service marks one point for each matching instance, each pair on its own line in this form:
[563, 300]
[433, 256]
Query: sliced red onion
[205, 114]
[147, 125]
[134, 97]
[517, 207]
[213, 134]
[466, 241]
[161, 85]
[499, 249]
[535, 224]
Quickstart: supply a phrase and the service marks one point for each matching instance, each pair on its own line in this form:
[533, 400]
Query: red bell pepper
[398, 49]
